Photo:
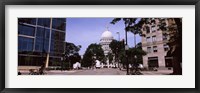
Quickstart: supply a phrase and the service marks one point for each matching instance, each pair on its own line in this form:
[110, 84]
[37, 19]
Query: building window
[152, 62]
[166, 47]
[147, 29]
[148, 39]
[26, 30]
[153, 28]
[42, 39]
[155, 49]
[44, 22]
[43, 32]
[154, 38]
[149, 49]
[59, 23]
[25, 44]
[27, 20]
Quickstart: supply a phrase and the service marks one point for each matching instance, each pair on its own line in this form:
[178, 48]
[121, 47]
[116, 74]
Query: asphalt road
[102, 71]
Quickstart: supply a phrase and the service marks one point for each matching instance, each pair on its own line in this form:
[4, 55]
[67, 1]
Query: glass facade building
[39, 37]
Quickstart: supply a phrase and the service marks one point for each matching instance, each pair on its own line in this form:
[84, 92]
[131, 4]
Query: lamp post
[126, 48]
[127, 64]
[118, 49]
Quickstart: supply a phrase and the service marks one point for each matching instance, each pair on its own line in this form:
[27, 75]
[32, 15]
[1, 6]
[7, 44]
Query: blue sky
[84, 31]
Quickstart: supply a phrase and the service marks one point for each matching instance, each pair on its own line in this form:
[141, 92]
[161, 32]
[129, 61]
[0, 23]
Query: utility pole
[126, 49]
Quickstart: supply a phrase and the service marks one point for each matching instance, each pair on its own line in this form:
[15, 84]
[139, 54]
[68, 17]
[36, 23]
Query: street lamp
[118, 50]
[127, 64]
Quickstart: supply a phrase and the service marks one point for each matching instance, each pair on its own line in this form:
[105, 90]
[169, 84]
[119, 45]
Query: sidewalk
[26, 72]
[159, 72]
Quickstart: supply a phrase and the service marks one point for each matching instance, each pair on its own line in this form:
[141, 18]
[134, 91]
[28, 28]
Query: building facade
[40, 40]
[155, 44]
[106, 39]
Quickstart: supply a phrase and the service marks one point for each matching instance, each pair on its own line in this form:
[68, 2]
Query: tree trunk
[177, 70]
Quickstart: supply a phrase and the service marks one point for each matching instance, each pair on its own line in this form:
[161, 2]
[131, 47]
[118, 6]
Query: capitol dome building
[106, 39]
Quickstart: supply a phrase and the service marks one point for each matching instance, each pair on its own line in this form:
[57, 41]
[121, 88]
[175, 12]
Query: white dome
[106, 34]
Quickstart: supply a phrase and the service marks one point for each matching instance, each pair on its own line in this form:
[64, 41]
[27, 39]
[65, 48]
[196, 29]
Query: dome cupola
[107, 34]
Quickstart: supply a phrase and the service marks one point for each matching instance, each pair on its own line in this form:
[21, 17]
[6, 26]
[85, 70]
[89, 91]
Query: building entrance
[153, 62]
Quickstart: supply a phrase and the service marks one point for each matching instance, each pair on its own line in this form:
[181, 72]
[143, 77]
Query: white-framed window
[153, 28]
[149, 49]
[155, 49]
[148, 39]
[153, 38]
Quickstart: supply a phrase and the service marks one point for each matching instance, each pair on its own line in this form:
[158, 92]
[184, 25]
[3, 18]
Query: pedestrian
[41, 69]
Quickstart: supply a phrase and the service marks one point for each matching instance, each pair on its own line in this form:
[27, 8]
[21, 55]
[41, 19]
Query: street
[102, 71]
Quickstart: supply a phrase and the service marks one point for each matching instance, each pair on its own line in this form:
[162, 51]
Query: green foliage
[138, 52]
[94, 51]
[130, 24]
[110, 57]
[71, 54]
[71, 48]
[175, 42]
[117, 48]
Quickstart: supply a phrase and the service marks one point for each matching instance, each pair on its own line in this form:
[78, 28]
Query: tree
[94, 51]
[71, 54]
[116, 47]
[130, 26]
[110, 57]
[175, 42]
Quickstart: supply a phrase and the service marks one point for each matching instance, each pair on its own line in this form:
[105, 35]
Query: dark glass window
[59, 23]
[44, 22]
[62, 36]
[57, 42]
[42, 39]
[42, 44]
[52, 46]
[26, 30]
[25, 44]
[43, 32]
[57, 35]
[27, 20]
